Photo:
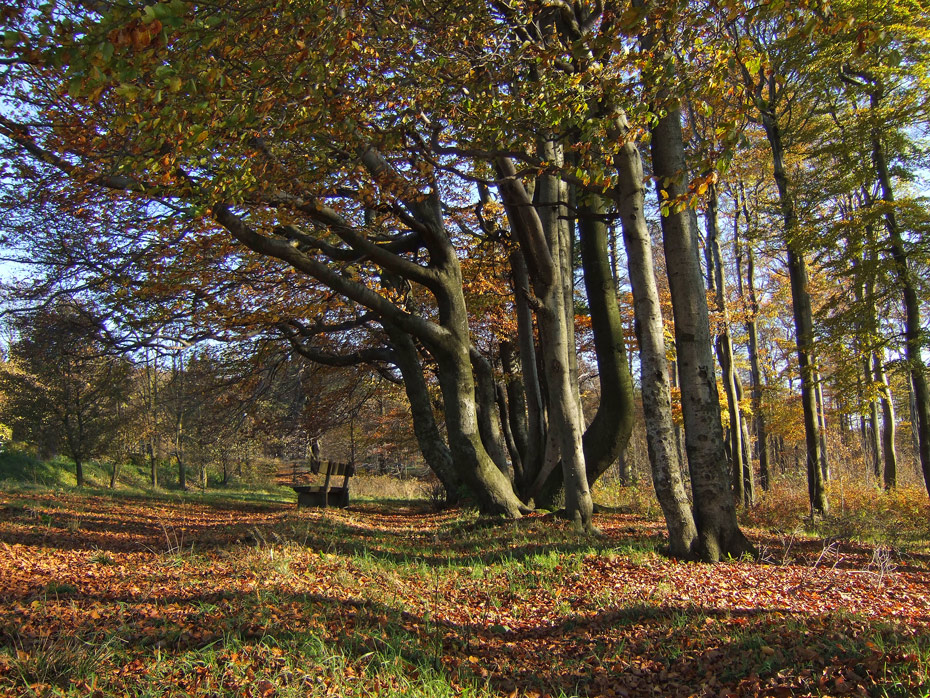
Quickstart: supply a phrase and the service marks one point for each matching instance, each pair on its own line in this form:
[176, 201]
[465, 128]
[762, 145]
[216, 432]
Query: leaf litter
[182, 598]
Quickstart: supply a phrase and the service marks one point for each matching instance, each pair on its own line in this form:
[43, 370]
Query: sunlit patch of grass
[56, 662]
[101, 557]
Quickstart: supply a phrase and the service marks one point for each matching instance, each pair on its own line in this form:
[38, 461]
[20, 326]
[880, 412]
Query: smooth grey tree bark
[661, 441]
[715, 514]
[536, 223]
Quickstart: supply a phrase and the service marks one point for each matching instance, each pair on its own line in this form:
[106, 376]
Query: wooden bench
[327, 494]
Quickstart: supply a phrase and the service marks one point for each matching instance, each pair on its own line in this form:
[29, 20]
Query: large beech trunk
[447, 337]
[650, 332]
[609, 431]
[715, 514]
[479, 472]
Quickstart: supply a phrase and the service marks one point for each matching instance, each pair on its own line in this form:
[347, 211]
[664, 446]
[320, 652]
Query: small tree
[62, 389]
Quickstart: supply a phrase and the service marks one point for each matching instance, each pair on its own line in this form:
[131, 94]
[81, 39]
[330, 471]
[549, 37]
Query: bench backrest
[331, 468]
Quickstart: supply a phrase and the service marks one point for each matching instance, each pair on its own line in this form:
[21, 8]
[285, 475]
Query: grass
[184, 594]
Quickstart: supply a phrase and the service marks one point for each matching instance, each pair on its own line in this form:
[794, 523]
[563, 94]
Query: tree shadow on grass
[441, 540]
[637, 648]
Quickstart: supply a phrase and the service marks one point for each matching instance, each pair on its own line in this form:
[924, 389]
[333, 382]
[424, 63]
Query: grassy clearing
[171, 596]
[124, 593]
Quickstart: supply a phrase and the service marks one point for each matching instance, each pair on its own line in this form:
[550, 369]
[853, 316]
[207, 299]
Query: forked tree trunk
[490, 486]
[536, 223]
[715, 514]
[609, 431]
[447, 338]
[661, 441]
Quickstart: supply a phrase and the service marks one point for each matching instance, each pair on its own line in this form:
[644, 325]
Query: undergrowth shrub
[858, 511]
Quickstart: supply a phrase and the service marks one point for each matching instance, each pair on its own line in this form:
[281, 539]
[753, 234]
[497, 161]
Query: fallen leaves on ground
[124, 596]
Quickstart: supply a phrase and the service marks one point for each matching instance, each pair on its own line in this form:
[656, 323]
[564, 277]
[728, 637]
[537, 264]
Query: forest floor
[106, 595]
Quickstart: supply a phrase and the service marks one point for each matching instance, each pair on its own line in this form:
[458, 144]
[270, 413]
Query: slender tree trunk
[724, 346]
[609, 431]
[715, 514]
[489, 420]
[803, 320]
[822, 416]
[869, 448]
[153, 464]
[516, 409]
[623, 469]
[888, 426]
[912, 410]
[912, 322]
[433, 447]
[151, 390]
[557, 330]
[535, 409]
[749, 481]
[674, 385]
[661, 441]
[503, 409]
